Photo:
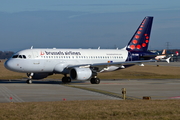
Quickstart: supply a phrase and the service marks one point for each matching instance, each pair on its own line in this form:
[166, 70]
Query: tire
[66, 80]
[29, 81]
[96, 81]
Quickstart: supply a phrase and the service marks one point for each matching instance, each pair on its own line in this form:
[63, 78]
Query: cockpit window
[24, 56]
[19, 56]
[15, 56]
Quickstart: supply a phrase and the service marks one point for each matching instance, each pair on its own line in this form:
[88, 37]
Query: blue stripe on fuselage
[134, 56]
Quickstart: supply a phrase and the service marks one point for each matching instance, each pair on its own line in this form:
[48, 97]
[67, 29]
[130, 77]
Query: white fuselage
[55, 60]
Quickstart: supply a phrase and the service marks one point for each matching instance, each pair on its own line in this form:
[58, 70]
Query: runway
[38, 91]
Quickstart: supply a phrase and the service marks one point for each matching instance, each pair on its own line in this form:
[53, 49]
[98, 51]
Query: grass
[93, 110]
[96, 109]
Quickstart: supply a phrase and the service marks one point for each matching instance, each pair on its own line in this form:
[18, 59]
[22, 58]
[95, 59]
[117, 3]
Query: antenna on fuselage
[31, 47]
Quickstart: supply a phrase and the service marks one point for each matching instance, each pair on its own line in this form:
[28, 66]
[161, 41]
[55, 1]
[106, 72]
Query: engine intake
[80, 73]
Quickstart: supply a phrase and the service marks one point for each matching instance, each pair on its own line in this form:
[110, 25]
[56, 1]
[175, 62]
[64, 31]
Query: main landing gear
[95, 80]
[66, 79]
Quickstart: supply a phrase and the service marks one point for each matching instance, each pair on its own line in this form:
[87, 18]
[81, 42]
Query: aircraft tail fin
[140, 39]
[164, 52]
[177, 53]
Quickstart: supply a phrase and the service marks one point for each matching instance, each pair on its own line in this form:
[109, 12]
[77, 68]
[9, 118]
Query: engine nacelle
[80, 73]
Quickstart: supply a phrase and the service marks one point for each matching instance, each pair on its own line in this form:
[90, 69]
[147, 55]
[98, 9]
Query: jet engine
[80, 73]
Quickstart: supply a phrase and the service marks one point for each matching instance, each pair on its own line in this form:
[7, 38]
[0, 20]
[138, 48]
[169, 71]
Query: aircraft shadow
[35, 81]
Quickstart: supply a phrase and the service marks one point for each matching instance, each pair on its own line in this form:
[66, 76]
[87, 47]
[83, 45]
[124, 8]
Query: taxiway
[38, 91]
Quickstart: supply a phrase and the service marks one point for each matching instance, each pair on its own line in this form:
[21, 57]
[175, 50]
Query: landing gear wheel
[95, 80]
[92, 80]
[29, 81]
[66, 80]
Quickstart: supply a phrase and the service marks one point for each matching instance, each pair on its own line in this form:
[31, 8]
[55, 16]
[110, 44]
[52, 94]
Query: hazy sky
[85, 24]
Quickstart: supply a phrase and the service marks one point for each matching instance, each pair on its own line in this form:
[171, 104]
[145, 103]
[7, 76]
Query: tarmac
[39, 91]
[54, 90]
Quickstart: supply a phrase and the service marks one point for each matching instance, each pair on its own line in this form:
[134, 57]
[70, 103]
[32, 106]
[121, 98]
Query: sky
[86, 24]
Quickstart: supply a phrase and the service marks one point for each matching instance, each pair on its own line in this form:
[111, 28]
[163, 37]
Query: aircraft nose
[9, 64]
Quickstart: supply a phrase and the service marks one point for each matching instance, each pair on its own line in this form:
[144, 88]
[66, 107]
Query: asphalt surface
[52, 90]
[38, 91]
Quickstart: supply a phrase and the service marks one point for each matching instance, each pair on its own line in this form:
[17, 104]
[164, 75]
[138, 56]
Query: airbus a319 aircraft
[83, 64]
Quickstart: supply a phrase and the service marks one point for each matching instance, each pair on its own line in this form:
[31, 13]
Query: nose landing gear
[29, 81]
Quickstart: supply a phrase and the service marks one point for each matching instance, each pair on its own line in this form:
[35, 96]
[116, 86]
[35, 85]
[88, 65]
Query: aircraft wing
[104, 65]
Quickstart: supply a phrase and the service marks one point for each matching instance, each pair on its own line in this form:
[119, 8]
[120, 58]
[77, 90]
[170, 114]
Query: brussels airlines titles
[60, 53]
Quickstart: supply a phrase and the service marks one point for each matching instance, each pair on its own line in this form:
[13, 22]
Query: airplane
[163, 57]
[83, 64]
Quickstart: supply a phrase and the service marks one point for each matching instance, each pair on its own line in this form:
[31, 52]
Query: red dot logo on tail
[132, 47]
[144, 45]
[146, 41]
[135, 41]
[139, 32]
[140, 39]
[137, 36]
[138, 46]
